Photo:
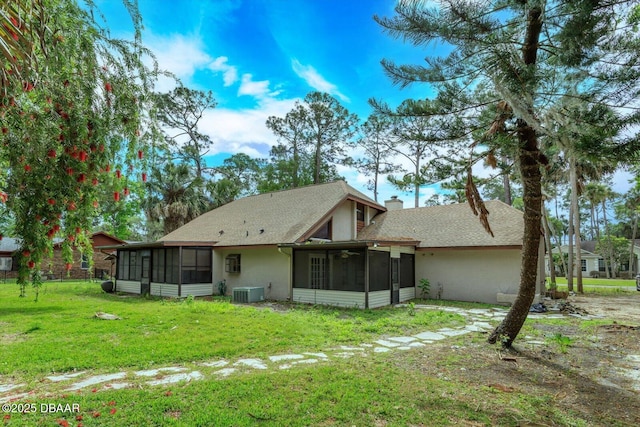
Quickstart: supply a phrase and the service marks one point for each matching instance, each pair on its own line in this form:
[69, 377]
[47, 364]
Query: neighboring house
[103, 262]
[592, 264]
[589, 260]
[330, 244]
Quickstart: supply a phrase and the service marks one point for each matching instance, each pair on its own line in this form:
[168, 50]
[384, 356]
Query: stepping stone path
[478, 321]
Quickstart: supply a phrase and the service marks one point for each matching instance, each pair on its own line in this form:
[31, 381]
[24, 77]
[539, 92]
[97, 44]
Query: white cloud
[229, 72]
[178, 54]
[242, 130]
[315, 80]
[249, 87]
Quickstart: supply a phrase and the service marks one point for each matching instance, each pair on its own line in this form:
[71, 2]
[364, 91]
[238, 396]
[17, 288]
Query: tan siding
[336, 298]
[128, 286]
[198, 290]
[164, 290]
[407, 294]
[379, 298]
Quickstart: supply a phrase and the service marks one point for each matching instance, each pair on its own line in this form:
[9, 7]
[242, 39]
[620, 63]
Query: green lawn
[59, 333]
[598, 282]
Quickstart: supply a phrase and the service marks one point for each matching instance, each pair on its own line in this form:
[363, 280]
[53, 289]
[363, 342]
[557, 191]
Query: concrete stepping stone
[64, 377]
[118, 386]
[454, 333]
[381, 349]
[298, 362]
[347, 348]
[175, 378]
[252, 363]
[13, 398]
[345, 354]
[154, 372]
[7, 387]
[281, 357]
[403, 347]
[97, 379]
[484, 325]
[226, 372]
[387, 343]
[535, 342]
[320, 355]
[432, 336]
[416, 344]
[216, 364]
[473, 328]
[403, 340]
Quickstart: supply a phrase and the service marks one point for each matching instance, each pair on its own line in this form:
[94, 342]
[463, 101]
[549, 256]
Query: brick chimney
[393, 204]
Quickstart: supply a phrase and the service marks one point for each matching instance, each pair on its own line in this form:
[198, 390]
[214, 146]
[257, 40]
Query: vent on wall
[248, 294]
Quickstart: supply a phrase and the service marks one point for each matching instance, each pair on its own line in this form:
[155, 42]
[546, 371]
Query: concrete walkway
[478, 321]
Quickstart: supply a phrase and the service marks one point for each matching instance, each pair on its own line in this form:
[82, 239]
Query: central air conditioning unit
[6, 263]
[248, 294]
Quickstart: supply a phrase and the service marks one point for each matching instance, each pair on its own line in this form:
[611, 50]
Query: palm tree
[176, 196]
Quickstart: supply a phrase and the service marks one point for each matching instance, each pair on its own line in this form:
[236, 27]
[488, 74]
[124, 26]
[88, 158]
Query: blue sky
[259, 56]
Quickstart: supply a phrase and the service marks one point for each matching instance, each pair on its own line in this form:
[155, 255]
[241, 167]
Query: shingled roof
[448, 226]
[270, 218]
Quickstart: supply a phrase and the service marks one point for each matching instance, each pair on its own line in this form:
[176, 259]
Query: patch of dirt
[596, 378]
[623, 307]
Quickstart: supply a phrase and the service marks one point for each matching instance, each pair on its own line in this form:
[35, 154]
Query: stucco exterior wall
[261, 267]
[344, 222]
[470, 275]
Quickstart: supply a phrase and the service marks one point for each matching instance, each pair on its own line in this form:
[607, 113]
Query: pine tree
[529, 54]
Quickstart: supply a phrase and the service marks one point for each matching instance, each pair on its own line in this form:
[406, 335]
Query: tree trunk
[506, 183]
[571, 249]
[317, 162]
[417, 184]
[606, 227]
[296, 164]
[576, 222]
[632, 245]
[547, 240]
[528, 157]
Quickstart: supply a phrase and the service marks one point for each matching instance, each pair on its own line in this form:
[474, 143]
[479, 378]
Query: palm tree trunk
[632, 256]
[576, 221]
[606, 228]
[547, 240]
[571, 254]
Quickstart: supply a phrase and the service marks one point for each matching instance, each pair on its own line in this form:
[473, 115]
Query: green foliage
[562, 341]
[222, 287]
[70, 129]
[313, 138]
[425, 287]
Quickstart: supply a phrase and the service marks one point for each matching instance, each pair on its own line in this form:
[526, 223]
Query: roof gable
[448, 226]
[270, 218]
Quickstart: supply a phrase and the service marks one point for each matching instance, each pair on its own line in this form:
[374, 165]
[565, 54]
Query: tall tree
[72, 104]
[528, 53]
[181, 112]
[421, 140]
[238, 176]
[175, 195]
[375, 140]
[328, 128]
[291, 154]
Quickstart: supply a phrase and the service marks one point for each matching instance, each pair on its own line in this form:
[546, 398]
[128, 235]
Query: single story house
[592, 263]
[331, 244]
[103, 261]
